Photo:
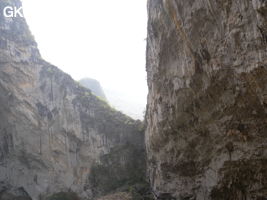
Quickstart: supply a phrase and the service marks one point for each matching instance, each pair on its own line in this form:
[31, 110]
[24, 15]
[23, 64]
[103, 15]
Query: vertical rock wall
[52, 130]
[207, 75]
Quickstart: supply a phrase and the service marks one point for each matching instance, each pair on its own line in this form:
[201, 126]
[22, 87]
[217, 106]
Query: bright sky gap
[100, 39]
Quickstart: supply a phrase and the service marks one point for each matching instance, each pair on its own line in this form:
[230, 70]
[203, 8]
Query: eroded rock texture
[207, 75]
[53, 131]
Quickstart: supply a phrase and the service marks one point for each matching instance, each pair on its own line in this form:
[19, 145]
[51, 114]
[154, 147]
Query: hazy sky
[101, 39]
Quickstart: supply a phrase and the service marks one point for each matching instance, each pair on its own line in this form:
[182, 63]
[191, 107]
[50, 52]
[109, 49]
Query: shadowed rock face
[207, 76]
[8, 192]
[52, 131]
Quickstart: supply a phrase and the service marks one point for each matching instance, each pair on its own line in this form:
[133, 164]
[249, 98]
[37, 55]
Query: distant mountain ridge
[117, 99]
[94, 86]
[124, 102]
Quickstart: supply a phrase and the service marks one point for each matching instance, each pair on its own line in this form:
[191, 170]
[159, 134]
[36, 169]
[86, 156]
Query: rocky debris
[207, 102]
[141, 192]
[163, 196]
[117, 196]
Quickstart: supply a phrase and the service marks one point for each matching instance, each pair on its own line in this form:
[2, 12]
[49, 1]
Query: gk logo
[13, 12]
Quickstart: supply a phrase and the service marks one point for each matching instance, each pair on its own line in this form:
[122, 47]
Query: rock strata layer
[206, 131]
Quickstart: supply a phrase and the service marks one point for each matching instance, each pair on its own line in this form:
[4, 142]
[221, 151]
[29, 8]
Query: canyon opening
[133, 100]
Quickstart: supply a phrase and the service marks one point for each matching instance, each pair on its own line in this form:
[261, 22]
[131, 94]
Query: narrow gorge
[204, 136]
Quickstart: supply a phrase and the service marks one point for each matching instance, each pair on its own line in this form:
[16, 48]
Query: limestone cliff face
[52, 131]
[207, 76]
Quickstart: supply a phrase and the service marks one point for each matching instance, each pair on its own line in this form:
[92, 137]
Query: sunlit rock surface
[53, 132]
[207, 75]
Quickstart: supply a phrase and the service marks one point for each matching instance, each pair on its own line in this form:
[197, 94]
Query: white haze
[100, 39]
